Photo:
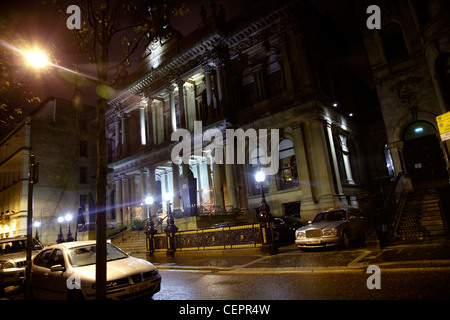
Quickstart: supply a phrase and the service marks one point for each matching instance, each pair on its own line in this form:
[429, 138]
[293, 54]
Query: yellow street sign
[443, 122]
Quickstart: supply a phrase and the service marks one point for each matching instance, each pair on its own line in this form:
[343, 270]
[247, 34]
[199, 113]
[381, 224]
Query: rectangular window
[83, 148]
[83, 175]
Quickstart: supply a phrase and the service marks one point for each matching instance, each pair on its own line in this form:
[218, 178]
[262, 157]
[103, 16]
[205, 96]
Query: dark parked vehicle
[284, 228]
[13, 256]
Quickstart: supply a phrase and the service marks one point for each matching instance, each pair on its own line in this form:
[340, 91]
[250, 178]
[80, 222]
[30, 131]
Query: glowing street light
[37, 59]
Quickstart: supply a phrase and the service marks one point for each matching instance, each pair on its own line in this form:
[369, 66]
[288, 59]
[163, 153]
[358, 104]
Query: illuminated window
[288, 175]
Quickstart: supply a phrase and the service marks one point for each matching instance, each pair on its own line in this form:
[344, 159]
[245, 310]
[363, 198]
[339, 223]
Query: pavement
[427, 254]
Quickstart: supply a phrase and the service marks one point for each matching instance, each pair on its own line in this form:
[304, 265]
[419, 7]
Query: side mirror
[57, 267]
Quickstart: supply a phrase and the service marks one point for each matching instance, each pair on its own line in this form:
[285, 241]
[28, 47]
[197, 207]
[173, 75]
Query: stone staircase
[421, 216]
[133, 242]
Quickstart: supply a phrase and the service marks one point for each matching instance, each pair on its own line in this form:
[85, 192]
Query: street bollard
[150, 235]
[265, 219]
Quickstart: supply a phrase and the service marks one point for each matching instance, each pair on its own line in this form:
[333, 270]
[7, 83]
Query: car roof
[73, 244]
[13, 239]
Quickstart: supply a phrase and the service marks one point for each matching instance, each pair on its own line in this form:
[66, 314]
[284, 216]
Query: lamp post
[60, 238]
[170, 229]
[265, 220]
[69, 237]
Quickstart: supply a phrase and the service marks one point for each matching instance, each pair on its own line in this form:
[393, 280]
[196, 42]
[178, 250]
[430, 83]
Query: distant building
[59, 135]
[279, 65]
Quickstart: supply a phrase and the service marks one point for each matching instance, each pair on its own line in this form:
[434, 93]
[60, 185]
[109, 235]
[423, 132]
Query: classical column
[152, 190]
[117, 140]
[154, 126]
[231, 187]
[207, 69]
[303, 166]
[149, 119]
[173, 115]
[337, 176]
[180, 84]
[124, 120]
[143, 131]
[119, 202]
[219, 84]
[345, 156]
[176, 185]
[125, 201]
[218, 191]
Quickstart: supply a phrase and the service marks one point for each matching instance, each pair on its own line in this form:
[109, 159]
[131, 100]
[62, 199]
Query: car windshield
[15, 246]
[86, 255]
[330, 216]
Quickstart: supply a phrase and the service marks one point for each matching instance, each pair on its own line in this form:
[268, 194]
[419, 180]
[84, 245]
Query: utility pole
[33, 178]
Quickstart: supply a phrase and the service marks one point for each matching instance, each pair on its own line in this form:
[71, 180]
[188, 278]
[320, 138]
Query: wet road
[399, 284]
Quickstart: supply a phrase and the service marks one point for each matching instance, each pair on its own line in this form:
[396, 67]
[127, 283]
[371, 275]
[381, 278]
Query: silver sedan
[331, 228]
[67, 271]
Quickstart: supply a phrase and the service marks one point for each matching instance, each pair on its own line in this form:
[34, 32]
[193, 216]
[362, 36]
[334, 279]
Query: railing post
[367, 205]
[170, 231]
[150, 237]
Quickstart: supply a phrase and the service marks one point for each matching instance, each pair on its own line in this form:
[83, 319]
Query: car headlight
[300, 234]
[329, 232]
[6, 265]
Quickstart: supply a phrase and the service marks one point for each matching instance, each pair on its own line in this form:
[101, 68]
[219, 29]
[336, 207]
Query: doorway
[424, 158]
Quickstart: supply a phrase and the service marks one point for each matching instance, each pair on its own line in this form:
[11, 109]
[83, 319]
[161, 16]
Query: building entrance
[424, 158]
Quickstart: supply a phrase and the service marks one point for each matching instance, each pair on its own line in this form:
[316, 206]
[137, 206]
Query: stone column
[345, 156]
[176, 186]
[218, 187]
[124, 120]
[303, 166]
[337, 176]
[125, 201]
[142, 129]
[117, 141]
[173, 115]
[210, 106]
[119, 202]
[152, 190]
[231, 187]
[180, 84]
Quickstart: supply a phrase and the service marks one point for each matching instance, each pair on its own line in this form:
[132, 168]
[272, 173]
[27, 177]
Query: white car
[67, 271]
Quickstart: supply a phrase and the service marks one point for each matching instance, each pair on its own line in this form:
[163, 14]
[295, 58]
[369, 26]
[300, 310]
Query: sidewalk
[419, 255]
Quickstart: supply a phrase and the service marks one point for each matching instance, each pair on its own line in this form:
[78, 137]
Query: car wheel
[345, 239]
[75, 295]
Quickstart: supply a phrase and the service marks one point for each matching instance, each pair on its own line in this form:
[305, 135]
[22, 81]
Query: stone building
[277, 66]
[410, 62]
[409, 58]
[58, 133]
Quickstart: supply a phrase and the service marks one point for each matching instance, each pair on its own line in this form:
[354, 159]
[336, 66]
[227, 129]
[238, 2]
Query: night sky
[46, 26]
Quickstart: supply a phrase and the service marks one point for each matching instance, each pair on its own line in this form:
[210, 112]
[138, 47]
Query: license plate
[314, 241]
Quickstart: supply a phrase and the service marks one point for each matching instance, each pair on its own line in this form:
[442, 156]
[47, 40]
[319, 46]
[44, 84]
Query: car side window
[43, 258]
[56, 258]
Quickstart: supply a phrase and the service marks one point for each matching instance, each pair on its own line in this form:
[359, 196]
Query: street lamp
[37, 58]
[37, 224]
[60, 238]
[69, 233]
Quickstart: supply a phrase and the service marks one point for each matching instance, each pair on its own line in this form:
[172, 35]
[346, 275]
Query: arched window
[274, 77]
[443, 73]
[287, 175]
[394, 44]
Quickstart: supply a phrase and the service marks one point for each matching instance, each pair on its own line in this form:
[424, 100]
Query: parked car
[284, 228]
[13, 256]
[334, 227]
[67, 271]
